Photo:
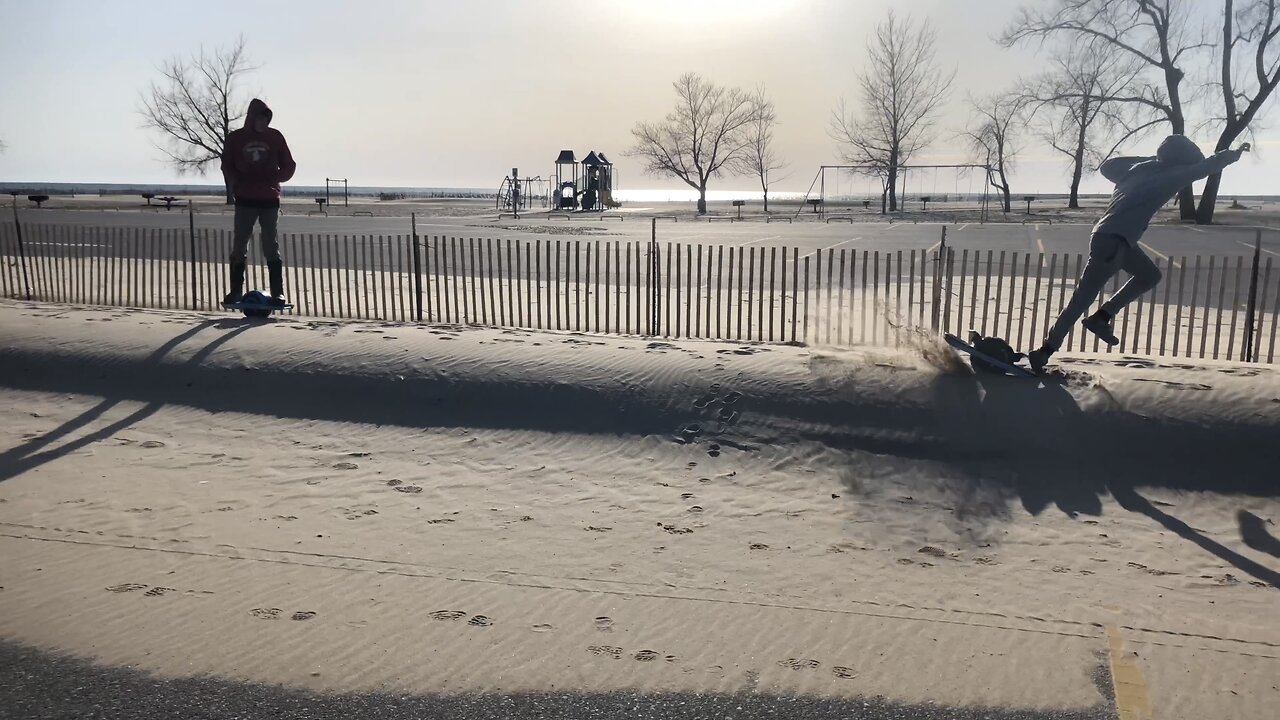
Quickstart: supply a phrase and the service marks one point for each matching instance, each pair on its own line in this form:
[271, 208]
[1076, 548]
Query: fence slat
[1235, 307]
[1275, 315]
[1260, 316]
[1222, 298]
[719, 289]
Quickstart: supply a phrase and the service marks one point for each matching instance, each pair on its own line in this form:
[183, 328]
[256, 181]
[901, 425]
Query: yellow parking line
[1133, 702]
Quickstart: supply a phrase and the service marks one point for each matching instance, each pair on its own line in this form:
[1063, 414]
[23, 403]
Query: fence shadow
[30, 455]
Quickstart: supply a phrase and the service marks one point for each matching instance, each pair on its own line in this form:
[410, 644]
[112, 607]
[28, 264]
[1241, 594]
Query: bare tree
[196, 105]
[902, 90]
[992, 137]
[1153, 32]
[1073, 108]
[703, 137]
[759, 157]
[1249, 39]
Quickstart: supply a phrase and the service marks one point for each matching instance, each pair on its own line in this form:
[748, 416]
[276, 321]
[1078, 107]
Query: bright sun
[704, 11]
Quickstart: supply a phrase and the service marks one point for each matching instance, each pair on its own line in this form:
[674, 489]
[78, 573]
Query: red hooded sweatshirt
[257, 162]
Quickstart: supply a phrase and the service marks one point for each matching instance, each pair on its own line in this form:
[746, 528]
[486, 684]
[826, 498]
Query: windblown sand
[356, 506]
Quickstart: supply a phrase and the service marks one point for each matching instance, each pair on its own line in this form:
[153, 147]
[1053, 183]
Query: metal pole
[417, 269]
[1249, 352]
[22, 253]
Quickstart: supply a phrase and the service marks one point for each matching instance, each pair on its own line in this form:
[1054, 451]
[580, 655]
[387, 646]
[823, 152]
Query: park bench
[170, 201]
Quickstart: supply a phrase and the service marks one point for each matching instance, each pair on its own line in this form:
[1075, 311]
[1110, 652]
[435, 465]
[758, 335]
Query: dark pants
[266, 217]
[1108, 255]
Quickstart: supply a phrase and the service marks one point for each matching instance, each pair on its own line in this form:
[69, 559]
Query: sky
[436, 93]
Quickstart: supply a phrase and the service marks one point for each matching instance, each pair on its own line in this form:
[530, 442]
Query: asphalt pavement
[40, 685]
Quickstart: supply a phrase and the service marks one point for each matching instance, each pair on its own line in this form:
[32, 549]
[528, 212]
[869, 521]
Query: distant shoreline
[461, 193]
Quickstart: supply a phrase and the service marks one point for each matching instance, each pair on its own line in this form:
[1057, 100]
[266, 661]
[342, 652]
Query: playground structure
[586, 186]
[862, 189]
[516, 193]
[336, 183]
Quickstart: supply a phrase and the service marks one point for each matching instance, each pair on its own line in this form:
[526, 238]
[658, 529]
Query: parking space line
[1269, 252]
[1159, 254]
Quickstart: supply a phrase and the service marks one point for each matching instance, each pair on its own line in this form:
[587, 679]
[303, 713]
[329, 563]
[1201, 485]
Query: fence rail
[1207, 306]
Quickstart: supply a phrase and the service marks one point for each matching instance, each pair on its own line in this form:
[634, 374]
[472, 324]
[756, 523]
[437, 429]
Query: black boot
[237, 283]
[276, 272]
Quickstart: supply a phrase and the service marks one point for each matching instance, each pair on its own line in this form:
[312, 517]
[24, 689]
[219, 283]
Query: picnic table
[169, 202]
[39, 200]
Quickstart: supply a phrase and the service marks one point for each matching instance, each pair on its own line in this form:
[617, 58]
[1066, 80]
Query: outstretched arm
[1211, 165]
[1117, 167]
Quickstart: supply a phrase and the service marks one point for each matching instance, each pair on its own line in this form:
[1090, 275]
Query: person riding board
[1142, 186]
[255, 160]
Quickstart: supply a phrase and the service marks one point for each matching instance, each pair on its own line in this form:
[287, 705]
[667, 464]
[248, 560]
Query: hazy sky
[455, 93]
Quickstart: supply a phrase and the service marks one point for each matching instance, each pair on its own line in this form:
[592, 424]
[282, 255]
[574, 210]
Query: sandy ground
[1250, 213]
[374, 507]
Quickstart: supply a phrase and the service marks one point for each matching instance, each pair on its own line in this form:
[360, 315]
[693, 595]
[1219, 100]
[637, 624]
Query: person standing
[255, 160]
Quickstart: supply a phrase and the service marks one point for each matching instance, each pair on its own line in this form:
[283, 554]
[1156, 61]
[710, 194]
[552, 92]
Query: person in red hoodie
[255, 160]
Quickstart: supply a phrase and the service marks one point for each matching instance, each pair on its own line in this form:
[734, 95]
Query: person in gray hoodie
[1143, 186]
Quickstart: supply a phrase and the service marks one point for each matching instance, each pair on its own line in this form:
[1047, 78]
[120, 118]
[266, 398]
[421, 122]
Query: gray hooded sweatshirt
[1145, 184]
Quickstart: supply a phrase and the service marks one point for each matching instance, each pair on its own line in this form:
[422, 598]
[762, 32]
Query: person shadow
[31, 454]
[1052, 453]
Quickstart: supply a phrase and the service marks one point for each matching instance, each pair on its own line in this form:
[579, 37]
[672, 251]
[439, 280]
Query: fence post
[22, 253]
[1248, 351]
[417, 269]
[191, 232]
[654, 288]
[937, 279]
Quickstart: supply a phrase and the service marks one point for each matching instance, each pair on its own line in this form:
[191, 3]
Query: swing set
[846, 195]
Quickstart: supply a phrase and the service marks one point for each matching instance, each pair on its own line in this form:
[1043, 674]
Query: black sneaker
[234, 296]
[278, 301]
[1039, 359]
[1102, 324]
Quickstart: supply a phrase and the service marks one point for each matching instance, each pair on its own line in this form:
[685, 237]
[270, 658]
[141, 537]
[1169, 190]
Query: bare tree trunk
[1073, 201]
[893, 185]
[1186, 196]
[766, 201]
[702, 199]
[1004, 190]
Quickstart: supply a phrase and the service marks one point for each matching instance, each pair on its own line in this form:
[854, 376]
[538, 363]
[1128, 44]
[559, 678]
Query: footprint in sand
[646, 656]
[158, 591]
[447, 615]
[265, 613]
[606, 651]
[686, 496]
[345, 466]
[714, 450]
[543, 627]
[593, 528]
[125, 587]
[843, 672]
[151, 444]
[604, 624]
[758, 546]
[731, 397]
[411, 489]
[393, 482]
[800, 664]
[302, 615]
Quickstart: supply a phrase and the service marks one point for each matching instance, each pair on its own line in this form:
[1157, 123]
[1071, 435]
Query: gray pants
[1108, 255]
[245, 218]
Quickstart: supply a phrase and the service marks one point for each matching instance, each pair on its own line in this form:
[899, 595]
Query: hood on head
[1179, 150]
[257, 109]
